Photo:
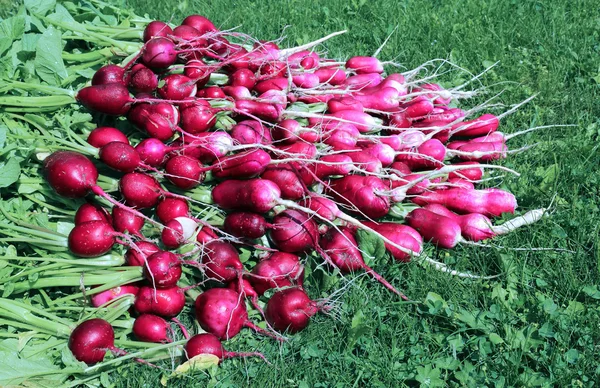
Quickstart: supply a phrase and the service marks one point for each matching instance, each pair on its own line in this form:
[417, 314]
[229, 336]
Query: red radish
[246, 224]
[110, 99]
[213, 92]
[324, 207]
[205, 235]
[198, 71]
[400, 168]
[419, 107]
[178, 231]
[343, 251]
[286, 131]
[293, 231]
[278, 270]
[483, 151]
[88, 212]
[473, 174]
[399, 120]
[363, 121]
[200, 23]
[361, 81]
[305, 59]
[156, 29]
[184, 172]
[104, 297]
[159, 53]
[222, 261]
[244, 287]
[480, 126]
[363, 65]
[290, 310]
[140, 190]
[272, 84]
[170, 208]
[429, 154]
[341, 140]
[120, 156]
[90, 340]
[126, 222]
[189, 36]
[273, 69]
[163, 269]
[135, 258]
[101, 136]
[91, 239]
[329, 165]
[152, 152]
[363, 193]
[207, 343]
[166, 303]
[151, 328]
[344, 103]
[383, 99]
[489, 202]
[442, 231]
[459, 182]
[198, 118]
[331, 76]
[222, 312]
[256, 195]
[402, 235]
[109, 74]
[142, 79]
[305, 80]
[476, 227]
[237, 92]
[251, 132]
[177, 87]
[262, 110]
[247, 164]
[301, 150]
[383, 152]
[243, 77]
[286, 178]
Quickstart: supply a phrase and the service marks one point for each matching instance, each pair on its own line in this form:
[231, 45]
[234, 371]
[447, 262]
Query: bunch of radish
[302, 155]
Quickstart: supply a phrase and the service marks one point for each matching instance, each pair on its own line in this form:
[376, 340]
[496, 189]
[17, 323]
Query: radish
[178, 231]
[362, 193]
[151, 328]
[474, 226]
[343, 251]
[142, 79]
[364, 65]
[222, 312]
[134, 257]
[88, 212]
[120, 156]
[222, 261]
[344, 103]
[104, 297]
[152, 152]
[198, 71]
[109, 74]
[163, 269]
[278, 270]
[255, 195]
[211, 92]
[237, 92]
[111, 99]
[170, 208]
[207, 343]
[90, 340]
[156, 29]
[205, 235]
[198, 118]
[159, 53]
[246, 225]
[177, 87]
[480, 126]
[290, 310]
[331, 76]
[489, 202]
[92, 239]
[293, 231]
[442, 231]
[402, 235]
[251, 132]
[101, 136]
[246, 164]
[167, 302]
[429, 154]
[125, 221]
[184, 171]
[473, 174]
[243, 77]
[361, 81]
[272, 84]
[287, 180]
[200, 23]
[140, 190]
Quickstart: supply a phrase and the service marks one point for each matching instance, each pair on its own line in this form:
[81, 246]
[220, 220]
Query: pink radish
[402, 235]
[104, 297]
[101, 136]
[88, 212]
[362, 192]
[287, 180]
[364, 65]
[278, 270]
[167, 302]
[489, 202]
[256, 195]
[163, 269]
[251, 132]
[151, 328]
[442, 231]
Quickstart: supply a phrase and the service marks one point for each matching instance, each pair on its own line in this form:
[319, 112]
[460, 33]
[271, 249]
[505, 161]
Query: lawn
[537, 324]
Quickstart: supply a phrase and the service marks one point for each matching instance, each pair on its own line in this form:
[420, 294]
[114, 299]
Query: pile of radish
[282, 153]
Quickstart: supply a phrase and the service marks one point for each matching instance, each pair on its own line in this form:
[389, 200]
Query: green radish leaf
[9, 173]
[3, 130]
[8, 289]
[48, 60]
[10, 30]
[40, 7]
[29, 42]
[371, 246]
[15, 371]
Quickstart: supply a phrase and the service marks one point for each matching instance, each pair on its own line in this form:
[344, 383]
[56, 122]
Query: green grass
[535, 325]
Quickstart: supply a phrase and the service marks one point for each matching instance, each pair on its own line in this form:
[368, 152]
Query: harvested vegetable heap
[215, 169]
